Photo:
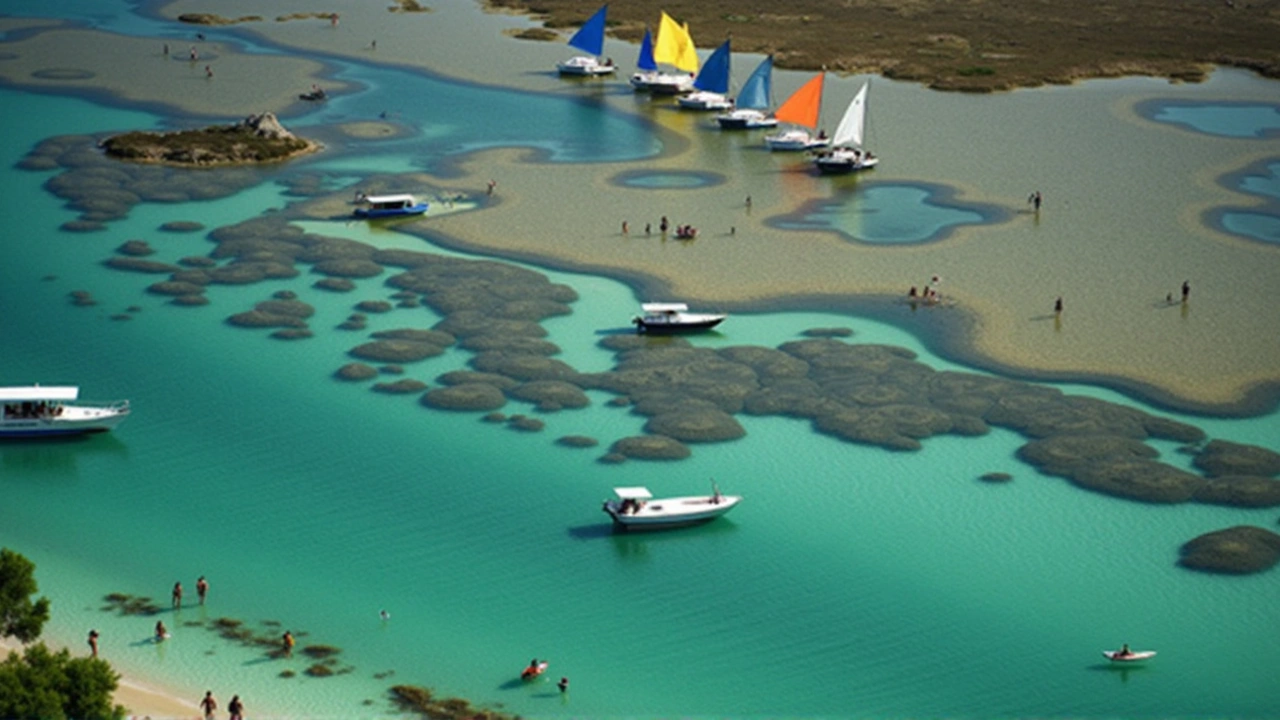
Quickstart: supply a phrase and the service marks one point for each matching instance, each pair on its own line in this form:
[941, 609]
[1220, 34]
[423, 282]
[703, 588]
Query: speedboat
[1122, 656]
[674, 318]
[36, 411]
[380, 206]
[636, 509]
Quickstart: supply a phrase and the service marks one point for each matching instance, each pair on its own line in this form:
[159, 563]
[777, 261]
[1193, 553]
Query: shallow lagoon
[871, 583]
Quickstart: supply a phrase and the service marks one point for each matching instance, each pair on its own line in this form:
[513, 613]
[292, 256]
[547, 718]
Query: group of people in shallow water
[929, 294]
[536, 668]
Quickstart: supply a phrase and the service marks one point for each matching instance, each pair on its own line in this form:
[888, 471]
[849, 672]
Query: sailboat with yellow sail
[801, 109]
[672, 46]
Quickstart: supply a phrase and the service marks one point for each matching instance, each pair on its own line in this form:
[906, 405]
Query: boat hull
[1133, 657]
[745, 120]
[704, 101]
[795, 142]
[585, 67]
[59, 427]
[672, 328]
[843, 163]
[669, 513]
[373, 214]
[662, 83]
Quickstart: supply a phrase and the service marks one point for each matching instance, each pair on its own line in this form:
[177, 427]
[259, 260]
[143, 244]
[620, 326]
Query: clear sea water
[852, 582]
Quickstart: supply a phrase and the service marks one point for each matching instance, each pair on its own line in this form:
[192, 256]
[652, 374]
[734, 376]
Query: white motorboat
[35, 411]
[673, 318]
[382, 206]
[589, 38]
[637, 509]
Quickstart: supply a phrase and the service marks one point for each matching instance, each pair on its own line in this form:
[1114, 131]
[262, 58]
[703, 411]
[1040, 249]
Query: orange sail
[803, 105]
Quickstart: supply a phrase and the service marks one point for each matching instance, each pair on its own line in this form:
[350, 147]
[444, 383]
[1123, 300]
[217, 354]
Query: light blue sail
[714, 76]
[758, 90]
[590, 37]
[646, 61]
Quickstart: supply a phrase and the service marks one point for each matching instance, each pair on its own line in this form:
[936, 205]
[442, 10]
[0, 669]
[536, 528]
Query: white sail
[850, 130]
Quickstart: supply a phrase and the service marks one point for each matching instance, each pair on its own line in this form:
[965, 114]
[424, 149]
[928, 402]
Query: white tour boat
[636, 508]
[673, 318]
[36, 411]
[383, 206]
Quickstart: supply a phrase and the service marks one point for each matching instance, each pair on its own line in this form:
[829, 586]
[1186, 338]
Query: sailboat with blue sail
[755, 98]
[589, 39]
[711, 84]
[672, 46]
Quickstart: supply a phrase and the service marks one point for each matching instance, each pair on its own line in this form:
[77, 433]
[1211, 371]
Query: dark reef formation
[1238, 551]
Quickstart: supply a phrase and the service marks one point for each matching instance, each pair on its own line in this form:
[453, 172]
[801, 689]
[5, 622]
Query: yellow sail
[673, 46]
[688, 60]
[666, 46]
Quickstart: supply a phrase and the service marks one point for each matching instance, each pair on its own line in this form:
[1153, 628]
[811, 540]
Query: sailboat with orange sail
[801, 109]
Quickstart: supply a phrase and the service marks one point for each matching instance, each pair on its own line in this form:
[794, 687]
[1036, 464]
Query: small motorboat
[533, 670]
[32, 411]
[673, 318]
[1128, 656]
[316, 95]
[380, 206]
[636, 508]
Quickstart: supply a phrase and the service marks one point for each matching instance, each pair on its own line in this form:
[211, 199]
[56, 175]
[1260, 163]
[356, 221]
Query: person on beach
[161, 631]
[208, 705]
[287, 642]
[236, 708]
[93, 643]
[202, 588]
[177, 596]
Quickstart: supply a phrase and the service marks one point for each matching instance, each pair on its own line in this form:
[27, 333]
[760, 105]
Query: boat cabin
[36, 401]
[663, 312]
[374, 206]
[632, 499]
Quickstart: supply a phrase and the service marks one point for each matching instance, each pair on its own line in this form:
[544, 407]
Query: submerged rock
[1221, 457]
[1239, 550]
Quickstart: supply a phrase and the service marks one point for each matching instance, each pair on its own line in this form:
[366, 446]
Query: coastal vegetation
[256, 139]
[975, 46]
[41, 683]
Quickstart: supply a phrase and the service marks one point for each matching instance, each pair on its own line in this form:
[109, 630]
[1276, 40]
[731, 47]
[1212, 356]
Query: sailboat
[711, 84]
[673, 46]
[589, 39]
[802, 109]
[752, 101]
[847, 155]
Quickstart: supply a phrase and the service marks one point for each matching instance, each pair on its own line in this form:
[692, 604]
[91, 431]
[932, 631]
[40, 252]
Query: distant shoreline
[985, 46]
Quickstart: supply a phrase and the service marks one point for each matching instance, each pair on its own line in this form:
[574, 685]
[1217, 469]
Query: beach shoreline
[141, 696]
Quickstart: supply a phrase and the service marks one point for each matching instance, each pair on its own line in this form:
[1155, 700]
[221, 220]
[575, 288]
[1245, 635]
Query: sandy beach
[141, 697]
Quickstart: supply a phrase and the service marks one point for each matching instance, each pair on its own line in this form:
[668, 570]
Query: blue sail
[646, 61]
[758, 88]
[590, 37]
[715, 72]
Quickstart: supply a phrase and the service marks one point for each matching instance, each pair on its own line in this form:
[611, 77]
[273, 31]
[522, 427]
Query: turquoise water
[852, 582]
[889, 214]
[1241, 120]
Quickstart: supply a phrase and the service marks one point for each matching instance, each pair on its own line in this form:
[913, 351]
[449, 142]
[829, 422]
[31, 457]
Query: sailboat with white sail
[712, 83]
[589, 39]
[848, 154]
[801, 109]
[672, 46]
[756, 96]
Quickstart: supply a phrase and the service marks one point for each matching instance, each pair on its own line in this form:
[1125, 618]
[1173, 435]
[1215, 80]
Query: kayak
[532, 672]
[1133, 656]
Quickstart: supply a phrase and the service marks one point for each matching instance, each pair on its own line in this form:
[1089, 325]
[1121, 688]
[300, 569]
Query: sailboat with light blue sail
[589, 39]
[756, 96]
[711, 84]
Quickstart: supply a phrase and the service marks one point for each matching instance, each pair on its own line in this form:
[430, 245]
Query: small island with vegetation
[256, 139]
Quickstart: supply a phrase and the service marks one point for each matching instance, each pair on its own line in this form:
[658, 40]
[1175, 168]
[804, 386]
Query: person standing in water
[93, 642]
[177, 596]
[288, 643]
[236, 708]
[208, 705]
[202, 588]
